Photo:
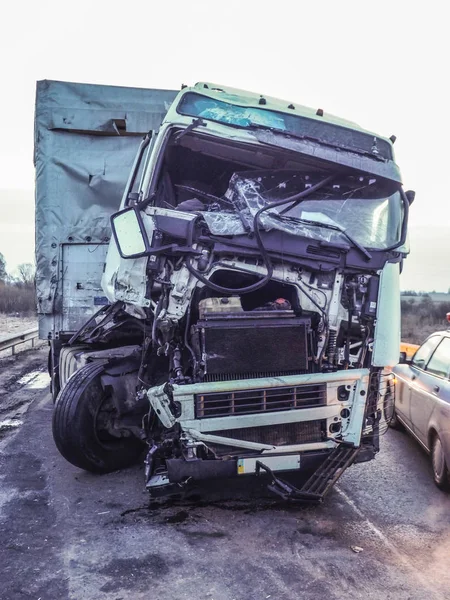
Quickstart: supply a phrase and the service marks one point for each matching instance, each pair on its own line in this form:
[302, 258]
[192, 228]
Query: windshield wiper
[350, 238]
[195, 123]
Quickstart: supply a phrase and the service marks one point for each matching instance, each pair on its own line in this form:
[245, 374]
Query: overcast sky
[382, 64]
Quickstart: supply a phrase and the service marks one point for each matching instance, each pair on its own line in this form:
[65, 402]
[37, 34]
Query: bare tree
[3, 274]
[26, 273]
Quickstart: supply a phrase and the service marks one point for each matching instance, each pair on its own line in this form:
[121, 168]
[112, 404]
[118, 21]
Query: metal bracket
[285, 490]
[160, 402]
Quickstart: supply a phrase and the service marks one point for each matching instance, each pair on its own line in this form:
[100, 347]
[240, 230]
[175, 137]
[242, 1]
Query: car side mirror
[404, 359]
[130, 233]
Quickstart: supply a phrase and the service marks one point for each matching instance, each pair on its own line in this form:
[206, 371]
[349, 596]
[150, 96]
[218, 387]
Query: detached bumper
[320, 471]
[180, 470]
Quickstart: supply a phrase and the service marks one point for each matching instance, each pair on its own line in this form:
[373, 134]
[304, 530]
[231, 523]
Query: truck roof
[245, 98]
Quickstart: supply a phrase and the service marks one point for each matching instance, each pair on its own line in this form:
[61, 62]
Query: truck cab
[252, 300]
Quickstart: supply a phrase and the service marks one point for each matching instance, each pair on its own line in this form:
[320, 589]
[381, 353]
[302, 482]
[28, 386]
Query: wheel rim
[101, 434]
[438, 459]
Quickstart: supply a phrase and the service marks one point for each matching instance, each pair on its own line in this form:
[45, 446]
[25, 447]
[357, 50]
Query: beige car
[422, 401]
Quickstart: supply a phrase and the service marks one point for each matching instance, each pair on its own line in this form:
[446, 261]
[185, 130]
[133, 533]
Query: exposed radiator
[285, 434]
[222, 404]
[252, 342]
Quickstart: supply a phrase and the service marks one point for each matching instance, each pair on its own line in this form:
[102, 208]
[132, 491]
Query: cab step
[321, 481]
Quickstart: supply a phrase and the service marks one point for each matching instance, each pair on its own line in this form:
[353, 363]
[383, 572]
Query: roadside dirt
[16, 323]
[21, 377]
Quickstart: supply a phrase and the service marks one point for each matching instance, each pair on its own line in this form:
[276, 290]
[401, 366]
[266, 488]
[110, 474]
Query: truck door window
[439, 363]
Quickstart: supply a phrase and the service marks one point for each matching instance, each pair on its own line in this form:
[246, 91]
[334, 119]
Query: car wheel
[80, 420]
[441, 474]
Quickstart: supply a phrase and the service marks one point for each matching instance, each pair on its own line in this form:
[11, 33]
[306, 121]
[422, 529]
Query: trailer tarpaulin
[86, 138]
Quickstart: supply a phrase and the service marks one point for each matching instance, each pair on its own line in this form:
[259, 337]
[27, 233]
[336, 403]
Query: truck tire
[75, 429]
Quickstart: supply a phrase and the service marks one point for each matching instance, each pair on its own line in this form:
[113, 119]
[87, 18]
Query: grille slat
[265, 396]
[285, 434]
[210, 377]
[222, 404]
[273, 402]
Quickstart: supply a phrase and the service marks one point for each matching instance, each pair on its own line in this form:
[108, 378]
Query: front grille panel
[222, 404]
[250, 375]
[286, 434]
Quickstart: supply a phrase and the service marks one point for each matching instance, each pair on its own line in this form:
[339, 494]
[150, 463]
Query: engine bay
[247, 286]
[258, 262]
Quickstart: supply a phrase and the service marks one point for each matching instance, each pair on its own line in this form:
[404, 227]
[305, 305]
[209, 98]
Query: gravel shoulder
[16, 323]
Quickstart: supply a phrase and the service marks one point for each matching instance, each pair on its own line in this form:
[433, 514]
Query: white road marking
[10, 424]
[401, 557]
[35, 380]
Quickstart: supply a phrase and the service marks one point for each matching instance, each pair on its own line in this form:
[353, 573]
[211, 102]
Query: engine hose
[224, 290]
[347, 341]
[331, 346]
[296, 198]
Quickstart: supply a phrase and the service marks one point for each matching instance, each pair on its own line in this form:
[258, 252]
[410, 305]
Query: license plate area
[289, 462]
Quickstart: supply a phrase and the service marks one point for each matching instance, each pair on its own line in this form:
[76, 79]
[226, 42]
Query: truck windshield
[372, 218]
[375, 223]
[234, 113]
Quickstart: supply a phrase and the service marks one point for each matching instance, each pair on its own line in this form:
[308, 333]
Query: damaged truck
[218, 279]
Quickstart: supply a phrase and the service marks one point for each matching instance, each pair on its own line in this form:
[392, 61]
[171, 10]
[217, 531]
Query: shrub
[17, 298]
[419, 319]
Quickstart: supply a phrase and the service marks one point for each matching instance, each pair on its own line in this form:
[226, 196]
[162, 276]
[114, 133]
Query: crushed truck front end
[253, 276]
[287, 423]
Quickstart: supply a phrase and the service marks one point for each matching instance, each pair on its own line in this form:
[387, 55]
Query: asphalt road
[66, 534]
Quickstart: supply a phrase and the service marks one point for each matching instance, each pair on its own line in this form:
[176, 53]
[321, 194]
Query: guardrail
[15, 339]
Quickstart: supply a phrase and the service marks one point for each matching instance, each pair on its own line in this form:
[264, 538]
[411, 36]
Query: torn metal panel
[86, 137]
[224, 223]
[79, 284]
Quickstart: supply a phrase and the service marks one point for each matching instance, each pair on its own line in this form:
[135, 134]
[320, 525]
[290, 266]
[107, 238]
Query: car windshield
[355, 205]
[233, 113]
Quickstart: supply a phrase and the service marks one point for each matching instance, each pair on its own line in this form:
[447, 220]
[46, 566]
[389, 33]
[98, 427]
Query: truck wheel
[81, 411]
[441, 474]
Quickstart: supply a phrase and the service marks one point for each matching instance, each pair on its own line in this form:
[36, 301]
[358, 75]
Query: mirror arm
[149, 249]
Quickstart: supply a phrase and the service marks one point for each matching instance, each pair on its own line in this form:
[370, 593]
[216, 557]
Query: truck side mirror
[410, 194]
[129, 233]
